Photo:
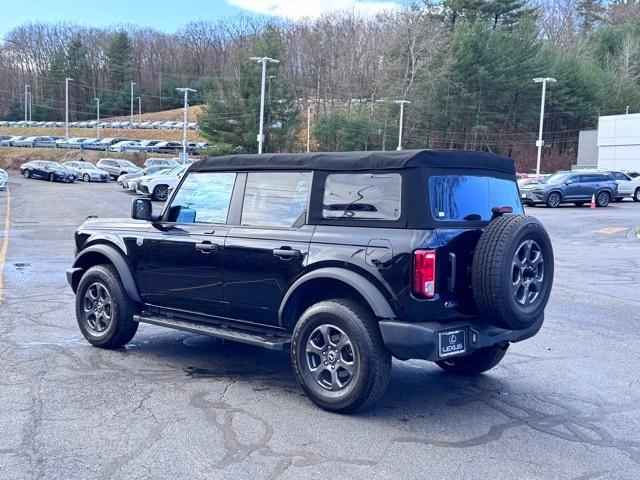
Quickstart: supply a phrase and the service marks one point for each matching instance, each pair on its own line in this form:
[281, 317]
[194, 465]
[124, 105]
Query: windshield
[87, 165]
[173, 171]
[52, 164]
[126, 163]
[556, 178]
[470, 198]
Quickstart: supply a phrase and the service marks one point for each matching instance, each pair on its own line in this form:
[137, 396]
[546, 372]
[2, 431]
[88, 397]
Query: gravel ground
[564, 404]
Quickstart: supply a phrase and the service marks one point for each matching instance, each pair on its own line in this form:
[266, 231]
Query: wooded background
[466, 65]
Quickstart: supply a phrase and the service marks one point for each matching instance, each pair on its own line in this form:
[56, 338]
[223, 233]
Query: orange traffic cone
[593, 201]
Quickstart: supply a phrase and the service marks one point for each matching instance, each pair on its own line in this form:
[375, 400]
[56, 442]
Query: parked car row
[154, 181]
[103, 124]
[579, 187]
[113, 144]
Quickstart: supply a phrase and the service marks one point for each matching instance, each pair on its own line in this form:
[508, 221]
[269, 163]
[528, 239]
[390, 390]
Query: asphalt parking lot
[565, 404]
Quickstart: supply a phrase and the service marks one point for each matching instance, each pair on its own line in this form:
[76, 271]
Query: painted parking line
[611, 230]
[5, 243]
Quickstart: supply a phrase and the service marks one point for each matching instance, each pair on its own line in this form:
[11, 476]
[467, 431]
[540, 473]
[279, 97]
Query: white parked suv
[159, 186]
[627, 186]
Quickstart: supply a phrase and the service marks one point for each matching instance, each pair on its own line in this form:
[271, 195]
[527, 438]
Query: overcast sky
[170, 15]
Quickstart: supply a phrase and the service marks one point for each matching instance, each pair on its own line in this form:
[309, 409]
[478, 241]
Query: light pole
[139, 110]
[184, 120]
[97, 117]
[131, 118]
[539, 143]
[401, 102]
[30, 105]
[66, 107]
[26, 102]
[308, 126]
[263, 61]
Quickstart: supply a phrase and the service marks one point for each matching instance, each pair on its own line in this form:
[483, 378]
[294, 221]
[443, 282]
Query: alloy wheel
[330, 358]
[527, 273]
[161, 192]
[86, 177]
[97, 307]
[554, 200]
[603, 199]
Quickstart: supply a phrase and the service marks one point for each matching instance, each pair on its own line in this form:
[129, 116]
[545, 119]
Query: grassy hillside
[163, 116]
[106, 132]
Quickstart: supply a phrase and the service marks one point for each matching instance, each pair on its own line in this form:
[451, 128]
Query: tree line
[466, 66]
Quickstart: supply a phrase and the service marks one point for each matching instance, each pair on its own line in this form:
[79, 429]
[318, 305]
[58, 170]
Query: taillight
[424, 273]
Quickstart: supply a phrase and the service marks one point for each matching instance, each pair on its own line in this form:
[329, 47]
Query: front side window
[275, 199]
[366, 196]
[203, 198]
[469, 198]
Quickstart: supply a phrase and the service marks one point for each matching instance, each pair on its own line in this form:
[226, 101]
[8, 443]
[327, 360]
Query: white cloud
[295, 9]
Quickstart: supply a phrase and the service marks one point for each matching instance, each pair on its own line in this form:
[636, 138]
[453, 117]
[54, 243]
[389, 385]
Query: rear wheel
[103, 309]
[603, 199]
[554, 199]
[160, 193]
[338, 356]
[481, 360]
[52, 177]
[636, 195]
[86, 177]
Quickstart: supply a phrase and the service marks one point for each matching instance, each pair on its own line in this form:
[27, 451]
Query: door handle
[287, 252]
[206, 246]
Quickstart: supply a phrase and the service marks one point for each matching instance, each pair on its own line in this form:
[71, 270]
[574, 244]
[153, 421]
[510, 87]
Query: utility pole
[184, 120]
[539, 143]
[131, 118]
[66, 107]
[97, 117]
[263, 61]
[139, 110]
[401, 102]
[26, 102]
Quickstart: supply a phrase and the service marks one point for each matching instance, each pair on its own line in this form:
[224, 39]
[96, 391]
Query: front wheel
[103, 309]
[636, 195]
[481, 360]
[338, 356]
[86, 177]
[26, 173]
[603, 199]
[554, 199]
[160, 193]
[52, 177]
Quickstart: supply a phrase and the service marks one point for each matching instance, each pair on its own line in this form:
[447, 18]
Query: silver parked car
[4, 176]
[117, 166]
[87, 171]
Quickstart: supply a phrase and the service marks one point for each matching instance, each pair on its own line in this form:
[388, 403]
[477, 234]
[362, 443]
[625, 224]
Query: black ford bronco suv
[346, 259]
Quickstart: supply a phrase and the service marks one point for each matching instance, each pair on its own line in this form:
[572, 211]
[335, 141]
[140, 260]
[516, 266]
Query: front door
[181, 265]
[267, 252]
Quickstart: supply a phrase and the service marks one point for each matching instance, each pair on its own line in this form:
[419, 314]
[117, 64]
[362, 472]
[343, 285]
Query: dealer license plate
[453, 342]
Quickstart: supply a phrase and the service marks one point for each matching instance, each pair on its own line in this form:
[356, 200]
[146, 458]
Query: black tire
[603, 199]
[578, 204]
[120, 328]
[86, 177]
[26, 173]
[636, 195]
[370, 359]
[160, 193]
[480, 361]
[512, 272]
[554, 199]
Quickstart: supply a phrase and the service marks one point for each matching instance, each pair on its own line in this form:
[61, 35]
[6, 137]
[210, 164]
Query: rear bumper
[407, 340]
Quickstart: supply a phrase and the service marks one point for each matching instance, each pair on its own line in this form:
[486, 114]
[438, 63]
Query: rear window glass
[367, 196]
[470, 198]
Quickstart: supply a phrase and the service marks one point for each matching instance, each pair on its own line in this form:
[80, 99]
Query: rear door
[265, 253]
[181, 265]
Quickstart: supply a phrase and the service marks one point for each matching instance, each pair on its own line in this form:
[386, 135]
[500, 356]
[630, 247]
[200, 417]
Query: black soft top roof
[349, 161]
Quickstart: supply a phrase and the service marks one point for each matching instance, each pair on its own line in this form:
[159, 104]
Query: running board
[270, 342]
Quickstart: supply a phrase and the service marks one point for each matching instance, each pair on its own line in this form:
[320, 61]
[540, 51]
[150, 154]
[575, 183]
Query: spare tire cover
[512, 271]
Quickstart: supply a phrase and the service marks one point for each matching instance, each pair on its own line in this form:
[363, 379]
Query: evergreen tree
[119, 61]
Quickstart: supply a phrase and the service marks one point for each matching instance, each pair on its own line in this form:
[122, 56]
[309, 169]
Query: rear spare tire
[512, 272]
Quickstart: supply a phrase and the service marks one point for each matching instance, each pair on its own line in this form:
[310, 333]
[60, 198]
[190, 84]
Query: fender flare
[120, 264]
[378, 303]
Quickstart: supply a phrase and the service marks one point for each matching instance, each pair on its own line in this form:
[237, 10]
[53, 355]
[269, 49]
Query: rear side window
[203, 198]
[367, 196]
[275, 199]
[459, 198]
[594, 178]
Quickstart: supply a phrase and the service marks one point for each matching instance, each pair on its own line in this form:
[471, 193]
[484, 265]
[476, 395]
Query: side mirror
[141, 209]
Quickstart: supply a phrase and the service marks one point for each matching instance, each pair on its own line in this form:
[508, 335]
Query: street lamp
[539, 143]
[26, 102]
[401, 102]
[132, 84]
[263, 61]
[184, 120]
[66, 107]
[139, 110]
[97, 117]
